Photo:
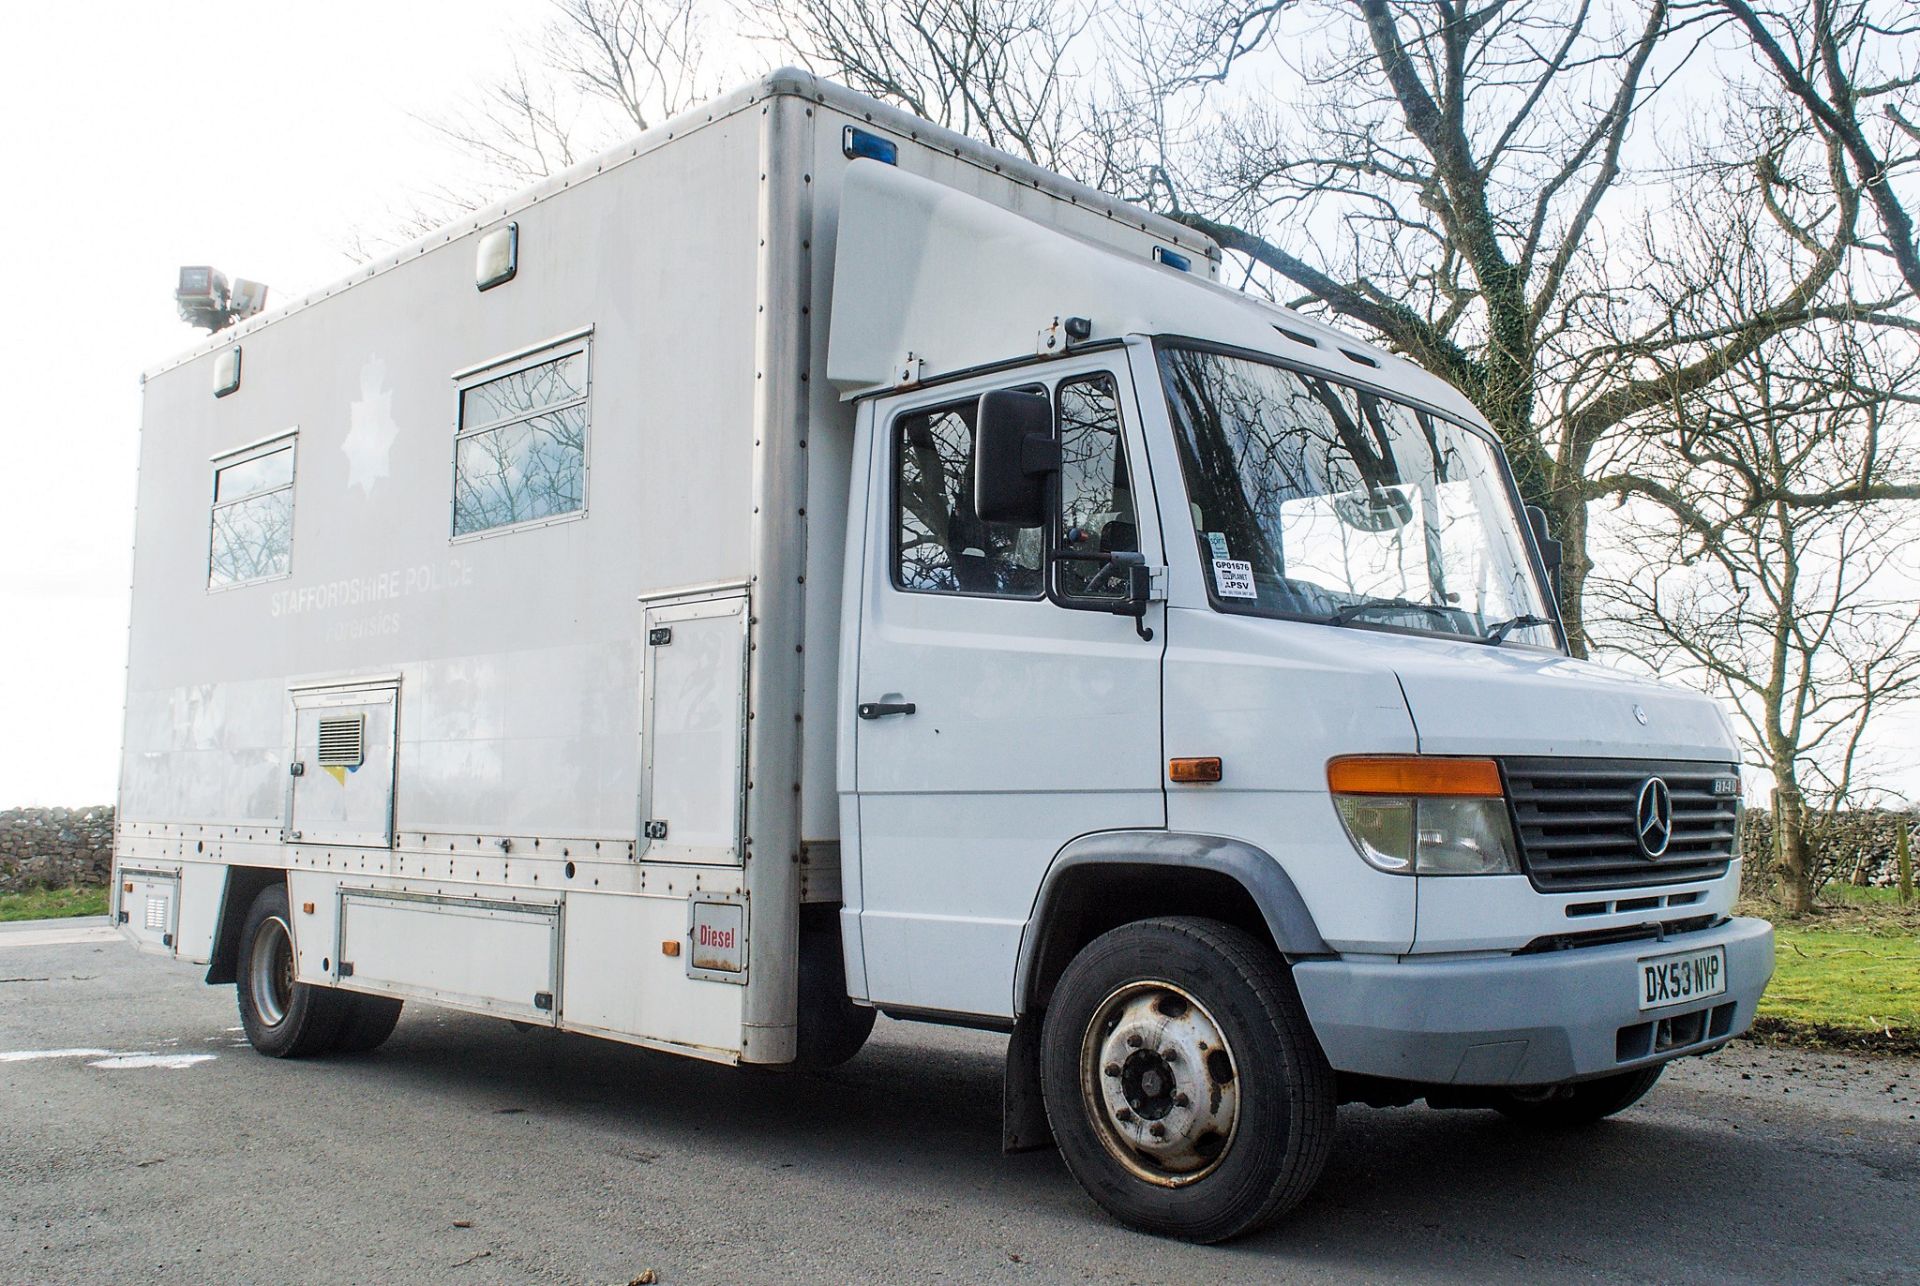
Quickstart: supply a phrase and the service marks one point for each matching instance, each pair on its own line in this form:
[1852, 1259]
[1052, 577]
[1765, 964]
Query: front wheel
[1581, 1103]
[1182, 1080]
[283, 1018]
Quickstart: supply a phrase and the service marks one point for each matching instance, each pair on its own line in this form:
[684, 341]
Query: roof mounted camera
[205, 299]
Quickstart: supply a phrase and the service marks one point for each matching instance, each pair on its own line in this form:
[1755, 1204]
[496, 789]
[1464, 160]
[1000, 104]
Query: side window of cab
[1096, 514]
[941, 546]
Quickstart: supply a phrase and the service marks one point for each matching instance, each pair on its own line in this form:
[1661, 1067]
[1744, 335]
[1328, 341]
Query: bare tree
[598, 71]
[1840, 59]
[995, 69]
[1473, 160]
[1758, 553]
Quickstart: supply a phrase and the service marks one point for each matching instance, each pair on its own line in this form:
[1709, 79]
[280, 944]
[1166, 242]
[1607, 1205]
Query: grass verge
[1846, 977]
[51, 904]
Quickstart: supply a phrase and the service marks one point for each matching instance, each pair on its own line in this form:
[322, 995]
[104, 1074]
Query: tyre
[1182, 1080]
[369, 1021]
[1580, 1103]
[832, 1028]
[283, 1018]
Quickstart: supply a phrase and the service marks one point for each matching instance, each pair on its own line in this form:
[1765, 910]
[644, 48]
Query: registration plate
[1674, 980]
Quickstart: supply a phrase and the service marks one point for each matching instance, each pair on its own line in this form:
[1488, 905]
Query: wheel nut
[1123, 1114]
[1171, 1054]
[1157, 1130]
[1113, 1069]
[1133, 1040]
[1181, 1100]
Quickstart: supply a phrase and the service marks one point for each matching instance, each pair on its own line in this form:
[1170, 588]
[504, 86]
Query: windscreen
[1312, 498]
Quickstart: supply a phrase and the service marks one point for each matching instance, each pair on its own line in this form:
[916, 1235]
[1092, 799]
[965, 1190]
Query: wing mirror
[1548, 546]
[1014, 454]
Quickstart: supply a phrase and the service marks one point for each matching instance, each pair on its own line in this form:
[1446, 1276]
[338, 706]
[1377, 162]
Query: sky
[258, 137]
[253, 136]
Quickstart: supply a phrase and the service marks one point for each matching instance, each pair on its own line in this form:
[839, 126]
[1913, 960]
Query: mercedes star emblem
[1653, 817]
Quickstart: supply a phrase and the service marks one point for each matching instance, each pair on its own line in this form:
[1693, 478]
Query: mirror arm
[1039, 455]
[1139, 594]
[1139, 583]
[1139, 590]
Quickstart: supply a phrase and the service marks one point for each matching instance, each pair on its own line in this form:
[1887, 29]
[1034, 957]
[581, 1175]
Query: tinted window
[521, 450]
[1096, 495]
[940, 544]
[554, 383]
[252, 527]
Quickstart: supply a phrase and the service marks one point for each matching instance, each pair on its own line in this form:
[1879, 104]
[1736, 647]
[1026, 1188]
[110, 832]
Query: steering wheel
[1108, 571]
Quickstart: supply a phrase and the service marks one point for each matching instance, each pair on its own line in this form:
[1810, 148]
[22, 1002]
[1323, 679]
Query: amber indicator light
[671, 947]
[1206, 768]
[1414, 775]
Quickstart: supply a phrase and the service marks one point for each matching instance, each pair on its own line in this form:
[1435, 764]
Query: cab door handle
[881, 709]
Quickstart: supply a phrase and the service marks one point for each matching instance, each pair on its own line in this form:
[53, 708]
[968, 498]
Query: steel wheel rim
[271, 971]
[1160, 1084]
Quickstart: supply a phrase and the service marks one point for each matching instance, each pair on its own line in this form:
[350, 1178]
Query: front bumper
[1525, 1019]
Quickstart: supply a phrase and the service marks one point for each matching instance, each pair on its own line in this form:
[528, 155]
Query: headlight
[1413, 815]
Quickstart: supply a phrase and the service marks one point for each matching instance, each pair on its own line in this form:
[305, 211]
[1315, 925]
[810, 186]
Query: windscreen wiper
[1498, 634]
[1344, 614]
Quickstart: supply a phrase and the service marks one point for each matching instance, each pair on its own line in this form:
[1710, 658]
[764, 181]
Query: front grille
[1574, 821]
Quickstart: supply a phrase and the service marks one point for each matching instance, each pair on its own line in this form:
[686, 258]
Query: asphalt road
[464, 1151]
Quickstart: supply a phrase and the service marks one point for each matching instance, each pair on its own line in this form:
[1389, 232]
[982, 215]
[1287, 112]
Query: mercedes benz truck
[806, 563]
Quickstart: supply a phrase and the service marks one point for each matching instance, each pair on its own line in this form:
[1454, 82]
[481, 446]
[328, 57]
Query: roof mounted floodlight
[249, 297]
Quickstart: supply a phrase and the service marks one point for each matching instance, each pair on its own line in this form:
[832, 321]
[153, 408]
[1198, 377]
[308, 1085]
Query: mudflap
[1024, 1126]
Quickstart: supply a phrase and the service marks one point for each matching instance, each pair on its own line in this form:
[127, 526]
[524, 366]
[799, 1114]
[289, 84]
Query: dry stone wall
[1856, 847]
[55, 847]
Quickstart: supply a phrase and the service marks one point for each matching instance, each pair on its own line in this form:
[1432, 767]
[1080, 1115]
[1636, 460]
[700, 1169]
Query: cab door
[1002, 707]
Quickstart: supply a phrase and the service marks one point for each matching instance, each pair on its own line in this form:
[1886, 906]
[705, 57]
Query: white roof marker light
[497, 258]
[226, 371]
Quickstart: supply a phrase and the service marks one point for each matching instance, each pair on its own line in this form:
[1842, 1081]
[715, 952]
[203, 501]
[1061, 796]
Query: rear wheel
[370, 1020]
[1580, 1103]
[832, 1027]
[283, 1018]
[1183, 1082]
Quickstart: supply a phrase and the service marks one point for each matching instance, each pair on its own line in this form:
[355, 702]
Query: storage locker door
[343, 768]
[693, 731]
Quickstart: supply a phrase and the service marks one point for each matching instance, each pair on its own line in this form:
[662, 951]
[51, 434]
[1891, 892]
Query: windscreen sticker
[1233, 578]
[1217, 540]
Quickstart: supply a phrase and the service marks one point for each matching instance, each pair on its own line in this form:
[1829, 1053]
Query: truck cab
[1209, 618]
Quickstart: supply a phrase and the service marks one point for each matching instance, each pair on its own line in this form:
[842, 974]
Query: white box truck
[804, 563]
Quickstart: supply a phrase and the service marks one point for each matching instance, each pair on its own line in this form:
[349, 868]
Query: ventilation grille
[342, 739]
[1575, 821]
[157, 911]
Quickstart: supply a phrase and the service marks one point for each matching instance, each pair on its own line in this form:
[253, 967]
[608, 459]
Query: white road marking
[60, 937]
[173, 1062]
[34, 1055]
